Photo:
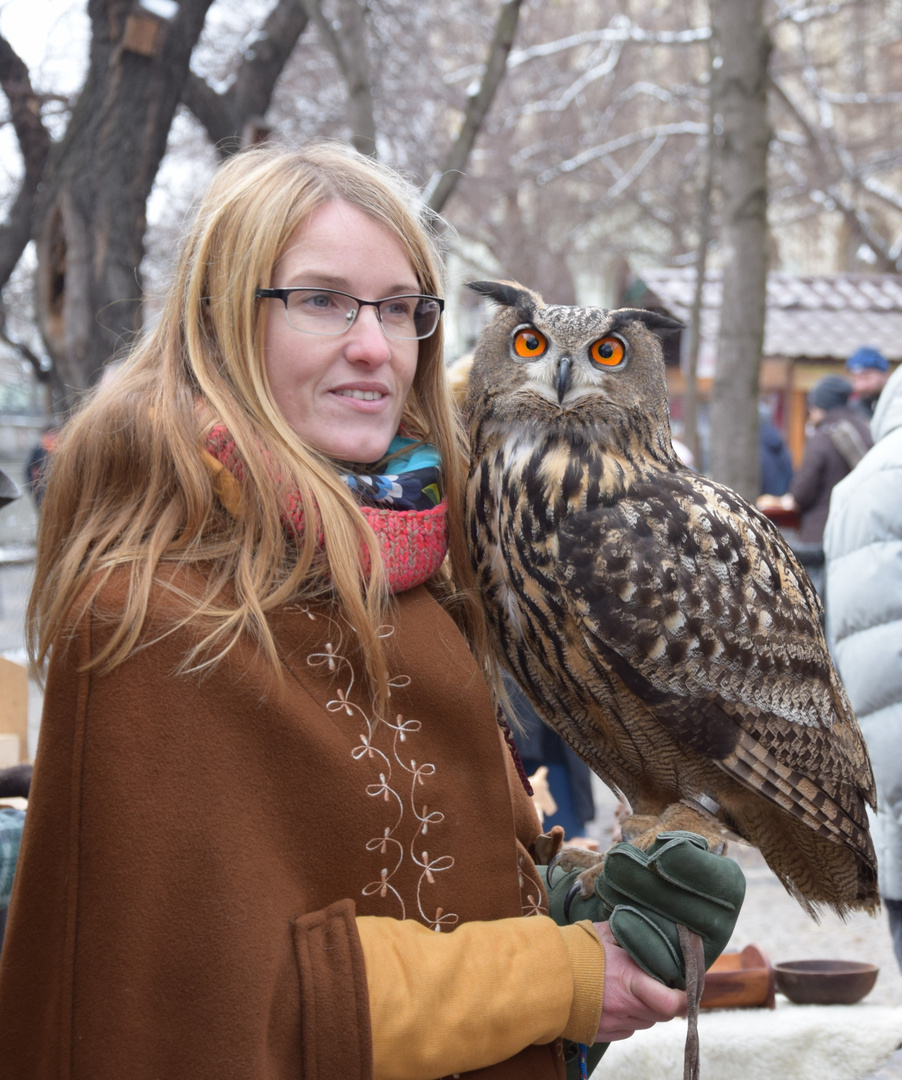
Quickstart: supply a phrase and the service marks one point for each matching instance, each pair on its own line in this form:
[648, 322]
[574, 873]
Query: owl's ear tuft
[508, 294]
[656, 322]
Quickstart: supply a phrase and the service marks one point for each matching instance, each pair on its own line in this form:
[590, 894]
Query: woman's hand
[632, 999]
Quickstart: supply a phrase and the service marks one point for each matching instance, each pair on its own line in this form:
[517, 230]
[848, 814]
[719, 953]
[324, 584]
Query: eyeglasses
[325, 311]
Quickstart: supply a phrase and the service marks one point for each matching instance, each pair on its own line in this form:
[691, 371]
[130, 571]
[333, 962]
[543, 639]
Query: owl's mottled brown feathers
[656, 620]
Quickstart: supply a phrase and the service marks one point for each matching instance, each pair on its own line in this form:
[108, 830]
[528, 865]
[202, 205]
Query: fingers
[633, 1000]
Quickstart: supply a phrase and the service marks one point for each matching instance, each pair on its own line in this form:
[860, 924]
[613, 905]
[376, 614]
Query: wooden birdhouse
[145, 26]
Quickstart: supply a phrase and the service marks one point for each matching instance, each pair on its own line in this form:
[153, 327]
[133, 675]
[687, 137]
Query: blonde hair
[128, 484]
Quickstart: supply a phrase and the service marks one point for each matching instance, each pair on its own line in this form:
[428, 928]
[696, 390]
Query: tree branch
[34, 144]
[40, 368]
[828, 159]
[223, 115]
[349, 51]
[444, 182]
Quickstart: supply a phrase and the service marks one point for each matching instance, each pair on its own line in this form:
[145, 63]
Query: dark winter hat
[831, 392]
[866, 358]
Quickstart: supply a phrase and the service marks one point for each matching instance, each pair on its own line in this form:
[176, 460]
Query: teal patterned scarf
[412, 479]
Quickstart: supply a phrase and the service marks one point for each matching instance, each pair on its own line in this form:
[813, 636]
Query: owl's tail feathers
[813, 833]
[851, 885]
[821, 866]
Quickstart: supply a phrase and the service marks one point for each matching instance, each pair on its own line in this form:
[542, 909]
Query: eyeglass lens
[321, 311]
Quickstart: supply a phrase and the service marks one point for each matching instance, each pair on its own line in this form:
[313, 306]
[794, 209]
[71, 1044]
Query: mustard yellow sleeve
[586, 955]
[450, 1003]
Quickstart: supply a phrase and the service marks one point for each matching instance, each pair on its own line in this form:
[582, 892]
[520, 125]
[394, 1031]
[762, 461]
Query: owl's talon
[574, 889]
[637, 825]
[549, 873]
[574, 858]
[586, 880]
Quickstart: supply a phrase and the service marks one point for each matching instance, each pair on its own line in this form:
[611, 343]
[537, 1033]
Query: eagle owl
[656, 620]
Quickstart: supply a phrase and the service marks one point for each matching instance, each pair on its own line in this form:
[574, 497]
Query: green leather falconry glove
[645, 895]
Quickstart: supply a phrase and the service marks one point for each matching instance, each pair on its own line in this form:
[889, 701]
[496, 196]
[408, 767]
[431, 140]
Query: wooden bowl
[739, 979]
[825, 982]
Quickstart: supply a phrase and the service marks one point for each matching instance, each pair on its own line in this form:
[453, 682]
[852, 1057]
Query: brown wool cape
[197, 847]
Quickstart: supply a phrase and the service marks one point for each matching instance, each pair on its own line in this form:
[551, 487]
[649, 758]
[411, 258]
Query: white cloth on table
[795, 1042]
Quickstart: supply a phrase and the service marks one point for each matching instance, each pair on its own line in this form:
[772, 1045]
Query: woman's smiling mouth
[362, 395]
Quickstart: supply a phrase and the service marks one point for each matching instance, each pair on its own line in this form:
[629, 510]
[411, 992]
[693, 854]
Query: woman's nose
[366, 340]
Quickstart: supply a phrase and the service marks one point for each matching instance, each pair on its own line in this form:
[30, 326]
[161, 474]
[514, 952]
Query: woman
[270, 779]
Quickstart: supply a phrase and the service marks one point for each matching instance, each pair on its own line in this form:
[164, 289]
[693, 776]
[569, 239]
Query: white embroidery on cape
[400, 782]
[530, 893]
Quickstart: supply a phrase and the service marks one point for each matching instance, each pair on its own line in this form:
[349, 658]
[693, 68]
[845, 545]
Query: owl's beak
[563, 378]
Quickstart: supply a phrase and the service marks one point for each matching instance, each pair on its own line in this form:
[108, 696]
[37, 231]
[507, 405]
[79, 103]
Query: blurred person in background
[868, 371]
[38, 463]
[569, 777]
[774, 458]
[13, 782]
[838, 438]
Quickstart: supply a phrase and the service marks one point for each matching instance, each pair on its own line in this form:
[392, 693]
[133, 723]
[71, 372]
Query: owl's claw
[574, 889]
[642, 830]
[574, 858]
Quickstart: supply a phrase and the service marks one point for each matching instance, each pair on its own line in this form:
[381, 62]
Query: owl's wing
[693, 600]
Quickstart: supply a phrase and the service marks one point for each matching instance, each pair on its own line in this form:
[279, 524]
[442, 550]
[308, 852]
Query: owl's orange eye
[607, 351]
[529, 343]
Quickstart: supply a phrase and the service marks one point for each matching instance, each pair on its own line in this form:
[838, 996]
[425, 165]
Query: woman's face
[342, 394]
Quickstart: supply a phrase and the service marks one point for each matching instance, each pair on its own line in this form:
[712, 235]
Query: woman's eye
[529, 343]
[397, 309]
[318, 300]
[607, 352]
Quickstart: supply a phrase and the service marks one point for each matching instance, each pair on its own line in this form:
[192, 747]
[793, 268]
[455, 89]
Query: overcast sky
[51, 37]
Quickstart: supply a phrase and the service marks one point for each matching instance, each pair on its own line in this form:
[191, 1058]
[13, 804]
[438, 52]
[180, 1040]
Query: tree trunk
[743, 48]
[705, 210]
[92, 211]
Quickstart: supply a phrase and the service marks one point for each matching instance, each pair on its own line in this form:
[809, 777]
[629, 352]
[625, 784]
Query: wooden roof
[809, 316]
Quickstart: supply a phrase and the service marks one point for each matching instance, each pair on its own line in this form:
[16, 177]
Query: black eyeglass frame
[284, 294]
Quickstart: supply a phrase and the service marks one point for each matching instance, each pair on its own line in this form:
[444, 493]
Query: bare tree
[835, 158]
[590, 158]
[446, 179]
[345, 38]
[94, 187]
[568, 144]
[89, 220]
[34, 140]
[89, 216]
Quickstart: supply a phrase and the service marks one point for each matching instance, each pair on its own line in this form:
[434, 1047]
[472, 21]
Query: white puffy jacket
[863, 550]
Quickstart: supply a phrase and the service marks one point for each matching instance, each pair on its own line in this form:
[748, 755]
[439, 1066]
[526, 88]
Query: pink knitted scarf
[413, 542]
